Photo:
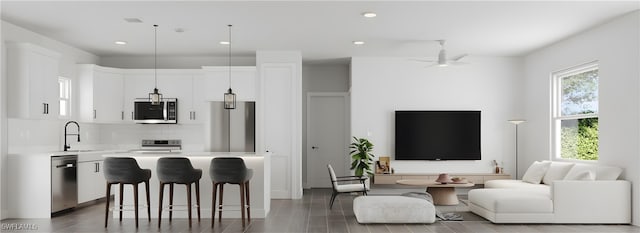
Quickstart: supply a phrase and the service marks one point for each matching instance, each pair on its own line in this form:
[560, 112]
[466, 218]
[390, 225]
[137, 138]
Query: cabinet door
[180, 87]
[243, 83]
[91, 184]
[279, 102]
[136, 86]
[32, 82]
[107, 97]
[212, 85]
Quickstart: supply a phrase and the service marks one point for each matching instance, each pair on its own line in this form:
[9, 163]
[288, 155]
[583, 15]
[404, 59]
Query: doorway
[327, 137]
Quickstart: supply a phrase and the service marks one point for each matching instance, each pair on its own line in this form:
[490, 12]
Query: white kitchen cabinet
[91, 181]
[279, 125]
[137, 84]
[180, 86]
[215, 82]
[32, 73]
[172, 83]
[101, 94]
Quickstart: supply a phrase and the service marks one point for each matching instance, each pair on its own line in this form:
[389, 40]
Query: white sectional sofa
[556, 192]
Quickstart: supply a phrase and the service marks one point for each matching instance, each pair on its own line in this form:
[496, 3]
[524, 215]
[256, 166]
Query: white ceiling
[322, 30]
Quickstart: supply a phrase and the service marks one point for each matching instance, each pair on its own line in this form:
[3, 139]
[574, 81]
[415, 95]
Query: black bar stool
[178, 171]
[230, 171]
[125, 171]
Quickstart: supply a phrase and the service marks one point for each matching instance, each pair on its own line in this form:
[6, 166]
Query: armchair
[344, 184]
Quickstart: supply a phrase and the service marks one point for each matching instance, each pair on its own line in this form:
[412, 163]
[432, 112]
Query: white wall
[616, 47]
[173, 62]
[319, 78]
[490, 84]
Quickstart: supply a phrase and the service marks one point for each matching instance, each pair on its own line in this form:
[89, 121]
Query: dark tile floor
[309, 214]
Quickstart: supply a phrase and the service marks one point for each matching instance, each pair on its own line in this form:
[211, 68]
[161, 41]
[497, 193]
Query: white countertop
[184, 154]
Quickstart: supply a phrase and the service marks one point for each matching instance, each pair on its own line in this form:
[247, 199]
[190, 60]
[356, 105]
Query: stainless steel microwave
[164, 113]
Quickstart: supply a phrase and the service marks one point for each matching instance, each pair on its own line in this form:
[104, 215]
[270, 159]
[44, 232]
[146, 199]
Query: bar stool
[125, 171]
[230, 171]
[178, 171]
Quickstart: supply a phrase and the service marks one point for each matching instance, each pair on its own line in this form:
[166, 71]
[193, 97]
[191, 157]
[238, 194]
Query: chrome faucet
[66, 147]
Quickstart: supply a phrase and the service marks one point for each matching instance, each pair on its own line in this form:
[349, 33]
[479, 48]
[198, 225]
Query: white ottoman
[393, 209]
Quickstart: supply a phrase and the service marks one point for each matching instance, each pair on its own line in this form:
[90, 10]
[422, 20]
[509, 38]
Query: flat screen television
[437, 135]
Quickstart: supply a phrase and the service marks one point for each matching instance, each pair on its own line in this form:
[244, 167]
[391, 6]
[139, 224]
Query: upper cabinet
[32, 81]
[100, 94]
[106, 95]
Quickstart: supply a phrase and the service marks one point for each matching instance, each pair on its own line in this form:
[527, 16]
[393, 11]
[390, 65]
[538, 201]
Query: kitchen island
[260, 186]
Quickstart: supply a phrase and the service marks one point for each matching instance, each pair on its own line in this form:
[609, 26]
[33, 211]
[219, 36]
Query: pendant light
[155, 97]
[229, 97]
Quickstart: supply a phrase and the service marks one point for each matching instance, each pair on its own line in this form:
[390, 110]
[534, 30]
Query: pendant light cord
[229, 56]
[155, 57]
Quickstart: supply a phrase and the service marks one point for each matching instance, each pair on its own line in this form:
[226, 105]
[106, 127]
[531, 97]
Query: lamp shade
[229, 100]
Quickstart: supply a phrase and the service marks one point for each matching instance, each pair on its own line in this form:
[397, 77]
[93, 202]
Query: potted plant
[361, 156]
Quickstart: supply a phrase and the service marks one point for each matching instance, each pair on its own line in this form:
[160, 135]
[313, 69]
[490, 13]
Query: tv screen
[437, 135]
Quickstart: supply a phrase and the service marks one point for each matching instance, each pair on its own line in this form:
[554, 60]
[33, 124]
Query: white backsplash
[30, 136]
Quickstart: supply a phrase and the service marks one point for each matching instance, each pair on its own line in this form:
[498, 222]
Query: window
[575, 113]
[64, 87]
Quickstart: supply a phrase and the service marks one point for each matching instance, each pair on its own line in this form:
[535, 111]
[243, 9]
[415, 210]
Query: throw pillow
[608, 173]
[578, 169]
[536, 172]
[585, 175]
[557, 171]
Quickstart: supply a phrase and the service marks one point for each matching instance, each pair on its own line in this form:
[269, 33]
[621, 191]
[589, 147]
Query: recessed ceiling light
[369, 14]
[121, 42]
[357, 42]
[133, 20]
[224, 42]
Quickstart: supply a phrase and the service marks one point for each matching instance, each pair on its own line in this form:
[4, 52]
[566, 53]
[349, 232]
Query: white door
[327, 137]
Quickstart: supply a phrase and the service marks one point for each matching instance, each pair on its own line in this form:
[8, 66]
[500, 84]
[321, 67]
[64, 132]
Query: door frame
[347, 128]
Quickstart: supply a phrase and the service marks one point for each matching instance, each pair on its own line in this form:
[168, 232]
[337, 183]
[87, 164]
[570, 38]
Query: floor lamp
[516, 122]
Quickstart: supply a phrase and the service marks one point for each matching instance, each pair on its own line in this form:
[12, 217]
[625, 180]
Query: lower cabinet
[91, 182]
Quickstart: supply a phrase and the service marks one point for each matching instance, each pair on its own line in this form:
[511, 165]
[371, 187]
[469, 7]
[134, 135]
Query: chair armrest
[599, 201]
[351, 178]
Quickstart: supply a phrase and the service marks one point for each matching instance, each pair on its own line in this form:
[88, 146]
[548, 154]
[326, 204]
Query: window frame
[556, 108]
[69, 100]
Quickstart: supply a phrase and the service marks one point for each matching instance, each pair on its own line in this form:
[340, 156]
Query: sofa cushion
[511, 200]
[516, 184]
[536, 172]
[557, 171]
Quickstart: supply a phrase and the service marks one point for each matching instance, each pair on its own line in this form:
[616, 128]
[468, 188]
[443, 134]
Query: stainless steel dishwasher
[64, 182]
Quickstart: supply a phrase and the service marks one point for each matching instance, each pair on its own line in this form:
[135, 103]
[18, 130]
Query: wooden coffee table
[443, 194]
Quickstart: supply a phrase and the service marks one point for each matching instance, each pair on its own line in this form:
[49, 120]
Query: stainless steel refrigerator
[232, 130]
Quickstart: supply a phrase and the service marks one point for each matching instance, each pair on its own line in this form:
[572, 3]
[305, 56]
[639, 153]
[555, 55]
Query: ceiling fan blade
[459, 57]
[458, 63]
[421, 60]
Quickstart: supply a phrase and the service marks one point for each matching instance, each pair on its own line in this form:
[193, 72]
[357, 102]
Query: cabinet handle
[96, 167]
[194, 115]
[94, 114]
[44, 108]
[190, 115]
[122, 115]
[47, 108]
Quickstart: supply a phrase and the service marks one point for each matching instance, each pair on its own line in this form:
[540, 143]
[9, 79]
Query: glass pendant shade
[229, 100]
[155, 97]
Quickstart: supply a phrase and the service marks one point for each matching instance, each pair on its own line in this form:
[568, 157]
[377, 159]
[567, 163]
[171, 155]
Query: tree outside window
[575, 115]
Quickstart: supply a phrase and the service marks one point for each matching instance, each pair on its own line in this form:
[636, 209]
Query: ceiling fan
[442, 58]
